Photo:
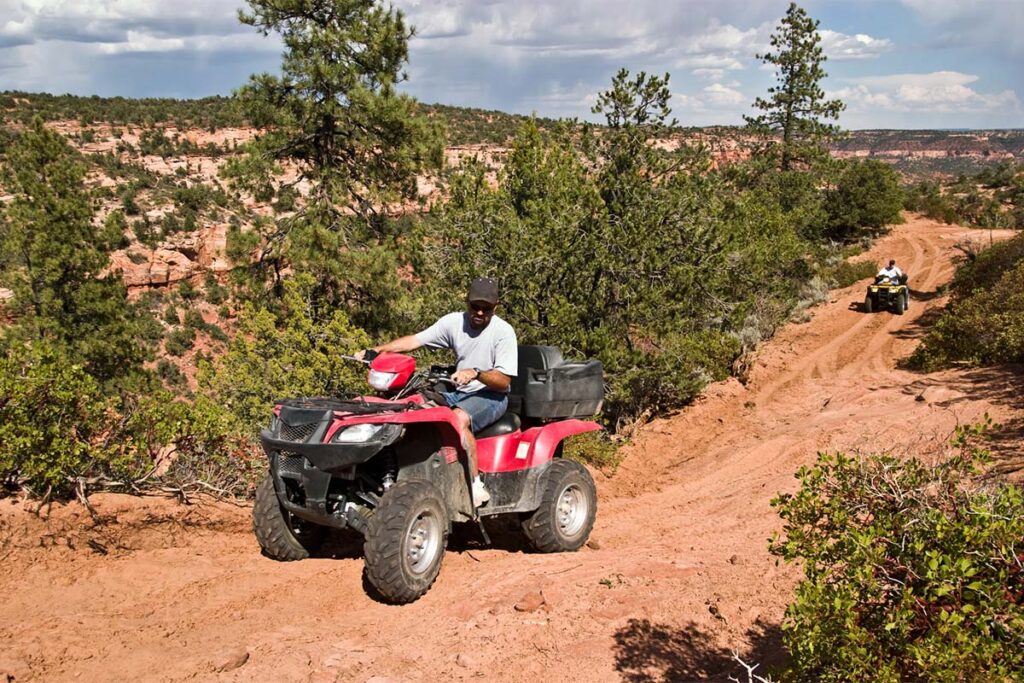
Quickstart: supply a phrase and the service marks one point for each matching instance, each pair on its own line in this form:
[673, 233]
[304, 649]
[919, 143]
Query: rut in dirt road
[677, 577]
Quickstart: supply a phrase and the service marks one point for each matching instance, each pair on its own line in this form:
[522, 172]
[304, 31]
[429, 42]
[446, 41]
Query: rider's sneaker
[480, 495]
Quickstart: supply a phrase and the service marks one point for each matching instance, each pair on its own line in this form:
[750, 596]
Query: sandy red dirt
[678, 575]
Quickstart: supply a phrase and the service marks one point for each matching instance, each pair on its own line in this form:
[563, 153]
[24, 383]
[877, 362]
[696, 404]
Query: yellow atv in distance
[888, 293]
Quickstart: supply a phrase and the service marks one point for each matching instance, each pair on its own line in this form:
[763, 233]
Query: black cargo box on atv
[549, 387]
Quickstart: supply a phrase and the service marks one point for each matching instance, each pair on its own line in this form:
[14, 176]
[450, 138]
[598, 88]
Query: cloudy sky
[896, 63]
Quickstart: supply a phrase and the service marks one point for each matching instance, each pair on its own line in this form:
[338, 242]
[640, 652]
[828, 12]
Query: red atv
[393, 468]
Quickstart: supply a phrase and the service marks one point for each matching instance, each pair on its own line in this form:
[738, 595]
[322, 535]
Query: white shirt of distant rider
[891, 272]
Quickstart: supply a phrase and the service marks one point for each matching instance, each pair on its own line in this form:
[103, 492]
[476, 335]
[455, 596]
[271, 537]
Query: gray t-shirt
[492, 348]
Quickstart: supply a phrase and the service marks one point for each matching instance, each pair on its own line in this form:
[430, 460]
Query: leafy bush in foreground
[912, 572]
[52, 417]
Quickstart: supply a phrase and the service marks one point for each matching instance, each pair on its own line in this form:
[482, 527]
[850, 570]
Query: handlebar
[436, 373]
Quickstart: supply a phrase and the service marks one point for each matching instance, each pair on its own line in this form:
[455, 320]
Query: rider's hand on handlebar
[464, 376]
[365, 354]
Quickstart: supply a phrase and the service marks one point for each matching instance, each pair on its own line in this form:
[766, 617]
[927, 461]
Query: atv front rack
[351, 405]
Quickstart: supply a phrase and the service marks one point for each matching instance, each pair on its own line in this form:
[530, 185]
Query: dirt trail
[679, 577]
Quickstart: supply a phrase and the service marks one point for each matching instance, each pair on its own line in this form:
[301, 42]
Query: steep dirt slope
[677, 577]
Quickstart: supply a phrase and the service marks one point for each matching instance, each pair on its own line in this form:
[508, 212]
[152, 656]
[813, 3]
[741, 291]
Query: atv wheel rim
[423, 542]
[571, 510]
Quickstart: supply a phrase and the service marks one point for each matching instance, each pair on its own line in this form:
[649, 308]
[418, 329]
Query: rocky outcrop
[142, 268]
[174, 260]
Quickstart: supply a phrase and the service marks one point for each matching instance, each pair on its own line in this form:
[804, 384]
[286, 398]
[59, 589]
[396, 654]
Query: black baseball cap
[483, 289]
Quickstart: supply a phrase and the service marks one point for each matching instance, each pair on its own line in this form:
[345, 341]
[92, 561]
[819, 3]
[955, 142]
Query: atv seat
[506, 424]
[548, 387]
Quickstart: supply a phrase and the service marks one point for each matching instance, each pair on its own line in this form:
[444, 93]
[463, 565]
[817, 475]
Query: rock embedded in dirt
[531, 602]
[465, 661]
[594, 544]
[230, 660]
[552, 596]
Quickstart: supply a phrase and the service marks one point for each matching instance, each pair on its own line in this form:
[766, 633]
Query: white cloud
[939, 91]
[839, 46]
[723, 96]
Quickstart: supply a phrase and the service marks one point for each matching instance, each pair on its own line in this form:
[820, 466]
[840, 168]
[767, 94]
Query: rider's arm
[506, 361]
[495, 379]
[400, 345]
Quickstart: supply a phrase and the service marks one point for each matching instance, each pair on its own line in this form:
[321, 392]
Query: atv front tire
[568, 507]
[869, 305]
[281, 536]
[900, 305]
[405, 541]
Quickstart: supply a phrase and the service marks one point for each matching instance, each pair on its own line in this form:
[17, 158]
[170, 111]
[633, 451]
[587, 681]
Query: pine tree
[796, 110]
[53, 256]
[335, 121]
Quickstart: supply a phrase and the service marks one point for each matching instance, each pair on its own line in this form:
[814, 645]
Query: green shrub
[187, 291]
[216, 333]
[293, 352]
[179, 341]
[53, 418]
[866, 198]
[171, 374]
[911, 572]
[194, 319]
[208, 451]
[595, 449]
[847, 274]
[171, 316]
[984, 322]
[215, 292]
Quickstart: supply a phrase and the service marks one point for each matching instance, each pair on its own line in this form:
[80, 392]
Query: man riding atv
[486, 361]
[394, 466]
[889, 290]
[890, 272]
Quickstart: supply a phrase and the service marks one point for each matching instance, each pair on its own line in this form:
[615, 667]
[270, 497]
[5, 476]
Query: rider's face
[480, 313]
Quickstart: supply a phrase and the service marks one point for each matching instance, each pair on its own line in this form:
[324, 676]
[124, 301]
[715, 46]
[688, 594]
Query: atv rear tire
[281, 536]
[568, 507]
[405, 541]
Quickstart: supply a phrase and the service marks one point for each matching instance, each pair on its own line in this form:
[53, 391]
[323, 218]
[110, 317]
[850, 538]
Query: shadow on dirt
[920, 326]
[646, 652]
[341, 544]
[918, 295]
[504, 532]
[999, 385]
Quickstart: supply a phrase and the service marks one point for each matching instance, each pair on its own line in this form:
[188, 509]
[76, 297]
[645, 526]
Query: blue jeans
[484, 407]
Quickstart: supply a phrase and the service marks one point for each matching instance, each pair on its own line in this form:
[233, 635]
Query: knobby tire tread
[383, 547]
[271, 528]
[541, 527]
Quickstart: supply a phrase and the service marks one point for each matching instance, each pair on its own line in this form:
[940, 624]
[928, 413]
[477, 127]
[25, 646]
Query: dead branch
[751, 676]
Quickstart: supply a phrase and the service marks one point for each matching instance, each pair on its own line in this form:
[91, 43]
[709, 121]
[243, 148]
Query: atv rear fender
[538, 445]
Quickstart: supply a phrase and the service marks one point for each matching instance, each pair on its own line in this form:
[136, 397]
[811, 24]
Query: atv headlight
[357, 433]
[381, 381]
[874, 289]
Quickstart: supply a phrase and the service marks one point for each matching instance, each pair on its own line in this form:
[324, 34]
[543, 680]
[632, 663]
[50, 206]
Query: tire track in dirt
[680, 577]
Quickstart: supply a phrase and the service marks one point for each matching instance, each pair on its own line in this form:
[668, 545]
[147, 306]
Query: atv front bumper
[303, 489]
